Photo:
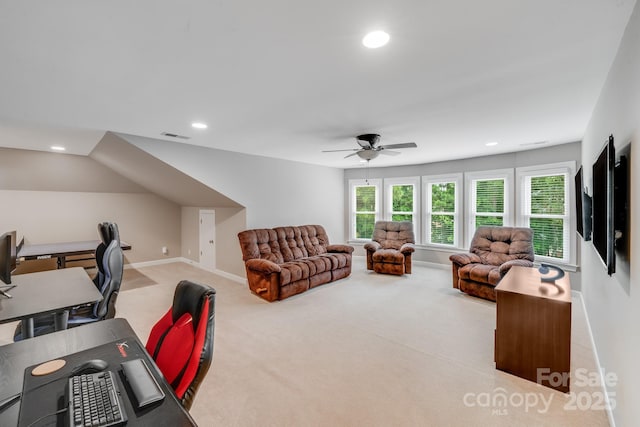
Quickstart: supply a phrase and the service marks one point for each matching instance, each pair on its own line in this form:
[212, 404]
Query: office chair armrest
[340, 248]
[263, 266]
[507, 265]
[372, 246]
[407, 248]
[465, 258]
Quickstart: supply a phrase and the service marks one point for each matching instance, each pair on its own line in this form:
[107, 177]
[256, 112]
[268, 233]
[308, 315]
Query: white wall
[274, 192]
[613, 303]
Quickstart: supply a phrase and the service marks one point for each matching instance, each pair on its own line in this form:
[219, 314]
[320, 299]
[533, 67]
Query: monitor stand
[4, 289]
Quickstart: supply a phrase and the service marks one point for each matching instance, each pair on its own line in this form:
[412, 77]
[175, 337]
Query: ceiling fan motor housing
[371, 138]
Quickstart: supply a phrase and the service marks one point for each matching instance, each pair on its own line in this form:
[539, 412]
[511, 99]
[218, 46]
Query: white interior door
[208, 239]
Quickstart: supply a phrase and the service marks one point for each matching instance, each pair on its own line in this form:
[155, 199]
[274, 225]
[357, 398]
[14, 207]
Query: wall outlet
[165, 251]
[188, 251]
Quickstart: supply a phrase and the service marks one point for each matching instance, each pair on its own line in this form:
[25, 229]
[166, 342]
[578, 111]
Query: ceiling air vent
[175, 135]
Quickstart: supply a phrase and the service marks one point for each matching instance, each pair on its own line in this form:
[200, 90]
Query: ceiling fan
[370, 147]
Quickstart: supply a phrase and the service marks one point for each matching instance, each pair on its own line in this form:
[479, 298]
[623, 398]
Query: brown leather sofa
[391, 246]
[286, 261]
[493, 251]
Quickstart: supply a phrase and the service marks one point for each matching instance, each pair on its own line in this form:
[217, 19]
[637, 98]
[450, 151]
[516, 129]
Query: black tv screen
[583, 208]
[603, 208]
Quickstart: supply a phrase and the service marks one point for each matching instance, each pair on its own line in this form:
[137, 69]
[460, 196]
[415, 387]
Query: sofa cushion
[392, 234]
[483, 273]
[301, 242]
[293, 271]
[260, 243]
[388, 256]
[497, 245]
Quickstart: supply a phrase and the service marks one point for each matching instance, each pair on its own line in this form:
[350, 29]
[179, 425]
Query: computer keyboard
[94, 400]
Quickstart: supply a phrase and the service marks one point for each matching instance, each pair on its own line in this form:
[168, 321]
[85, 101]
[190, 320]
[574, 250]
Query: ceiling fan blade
[404, 145]
[333, 151]
[352, 154]
[389, 152]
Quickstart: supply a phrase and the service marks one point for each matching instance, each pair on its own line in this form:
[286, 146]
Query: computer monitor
[8, 256]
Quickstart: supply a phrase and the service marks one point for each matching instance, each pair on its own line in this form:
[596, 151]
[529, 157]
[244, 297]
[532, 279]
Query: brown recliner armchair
[391, 247]
[493, 251]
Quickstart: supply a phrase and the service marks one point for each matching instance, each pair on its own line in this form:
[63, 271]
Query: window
[489, 199]
[365, 207]
[401, 200]
[544, 206]
[442, 209]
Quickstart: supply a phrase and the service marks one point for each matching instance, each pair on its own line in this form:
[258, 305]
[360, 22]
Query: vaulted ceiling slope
[155, 175]
[289, 79]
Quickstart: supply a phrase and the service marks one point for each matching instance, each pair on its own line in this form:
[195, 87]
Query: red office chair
[181, 343]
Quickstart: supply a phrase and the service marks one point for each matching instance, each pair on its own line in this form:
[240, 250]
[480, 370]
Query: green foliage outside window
[547, 198]
[443, 200]
[490, 196]
[365, 211]
[488, 220]
[402, 198]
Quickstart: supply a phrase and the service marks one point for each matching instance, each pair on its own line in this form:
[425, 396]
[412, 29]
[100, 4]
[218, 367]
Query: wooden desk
[53, 291]
[16, 357]
[533, 328]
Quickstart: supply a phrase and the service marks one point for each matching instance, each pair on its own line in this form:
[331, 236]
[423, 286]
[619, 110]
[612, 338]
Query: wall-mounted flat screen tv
[603, 206]
[583, 208]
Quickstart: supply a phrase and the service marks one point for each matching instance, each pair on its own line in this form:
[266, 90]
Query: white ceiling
[288, 79]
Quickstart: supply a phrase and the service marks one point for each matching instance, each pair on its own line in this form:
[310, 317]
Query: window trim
[568, 168]
[458, 228]
[388, 199]
[353, 183]
[470, 209]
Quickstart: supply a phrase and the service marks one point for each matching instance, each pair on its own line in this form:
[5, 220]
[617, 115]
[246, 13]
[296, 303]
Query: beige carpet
[369, 350]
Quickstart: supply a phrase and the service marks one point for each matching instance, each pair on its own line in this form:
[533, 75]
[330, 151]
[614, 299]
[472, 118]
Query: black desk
[62, 250]
[52, 291]
[14, 358]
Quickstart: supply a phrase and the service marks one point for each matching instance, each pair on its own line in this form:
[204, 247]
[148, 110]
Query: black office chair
[110, 262]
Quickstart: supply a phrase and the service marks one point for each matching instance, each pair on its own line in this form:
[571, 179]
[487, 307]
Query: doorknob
[211, 241]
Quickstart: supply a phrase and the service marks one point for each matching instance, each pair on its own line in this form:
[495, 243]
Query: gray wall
[613, 303]
[273, 192]
[50, 197]
[228, 255]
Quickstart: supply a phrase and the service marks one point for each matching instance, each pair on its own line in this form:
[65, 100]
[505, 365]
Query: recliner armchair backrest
[393, 234]
[497, 245]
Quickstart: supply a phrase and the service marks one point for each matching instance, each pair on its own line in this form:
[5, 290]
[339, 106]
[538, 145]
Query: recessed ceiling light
[57, 148]
[199, 125]
[375, 39]
[491, 144]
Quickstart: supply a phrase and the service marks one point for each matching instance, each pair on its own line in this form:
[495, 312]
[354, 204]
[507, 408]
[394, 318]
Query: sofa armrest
[465, 258]
[507, 265]
[407, 248]
[372, 246]
[340, 248]
[263, 266]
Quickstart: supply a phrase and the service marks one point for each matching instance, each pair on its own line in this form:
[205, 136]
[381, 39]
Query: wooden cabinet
[533, 328]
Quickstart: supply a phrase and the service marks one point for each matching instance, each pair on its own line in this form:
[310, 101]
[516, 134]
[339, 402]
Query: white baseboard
[612, 421]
